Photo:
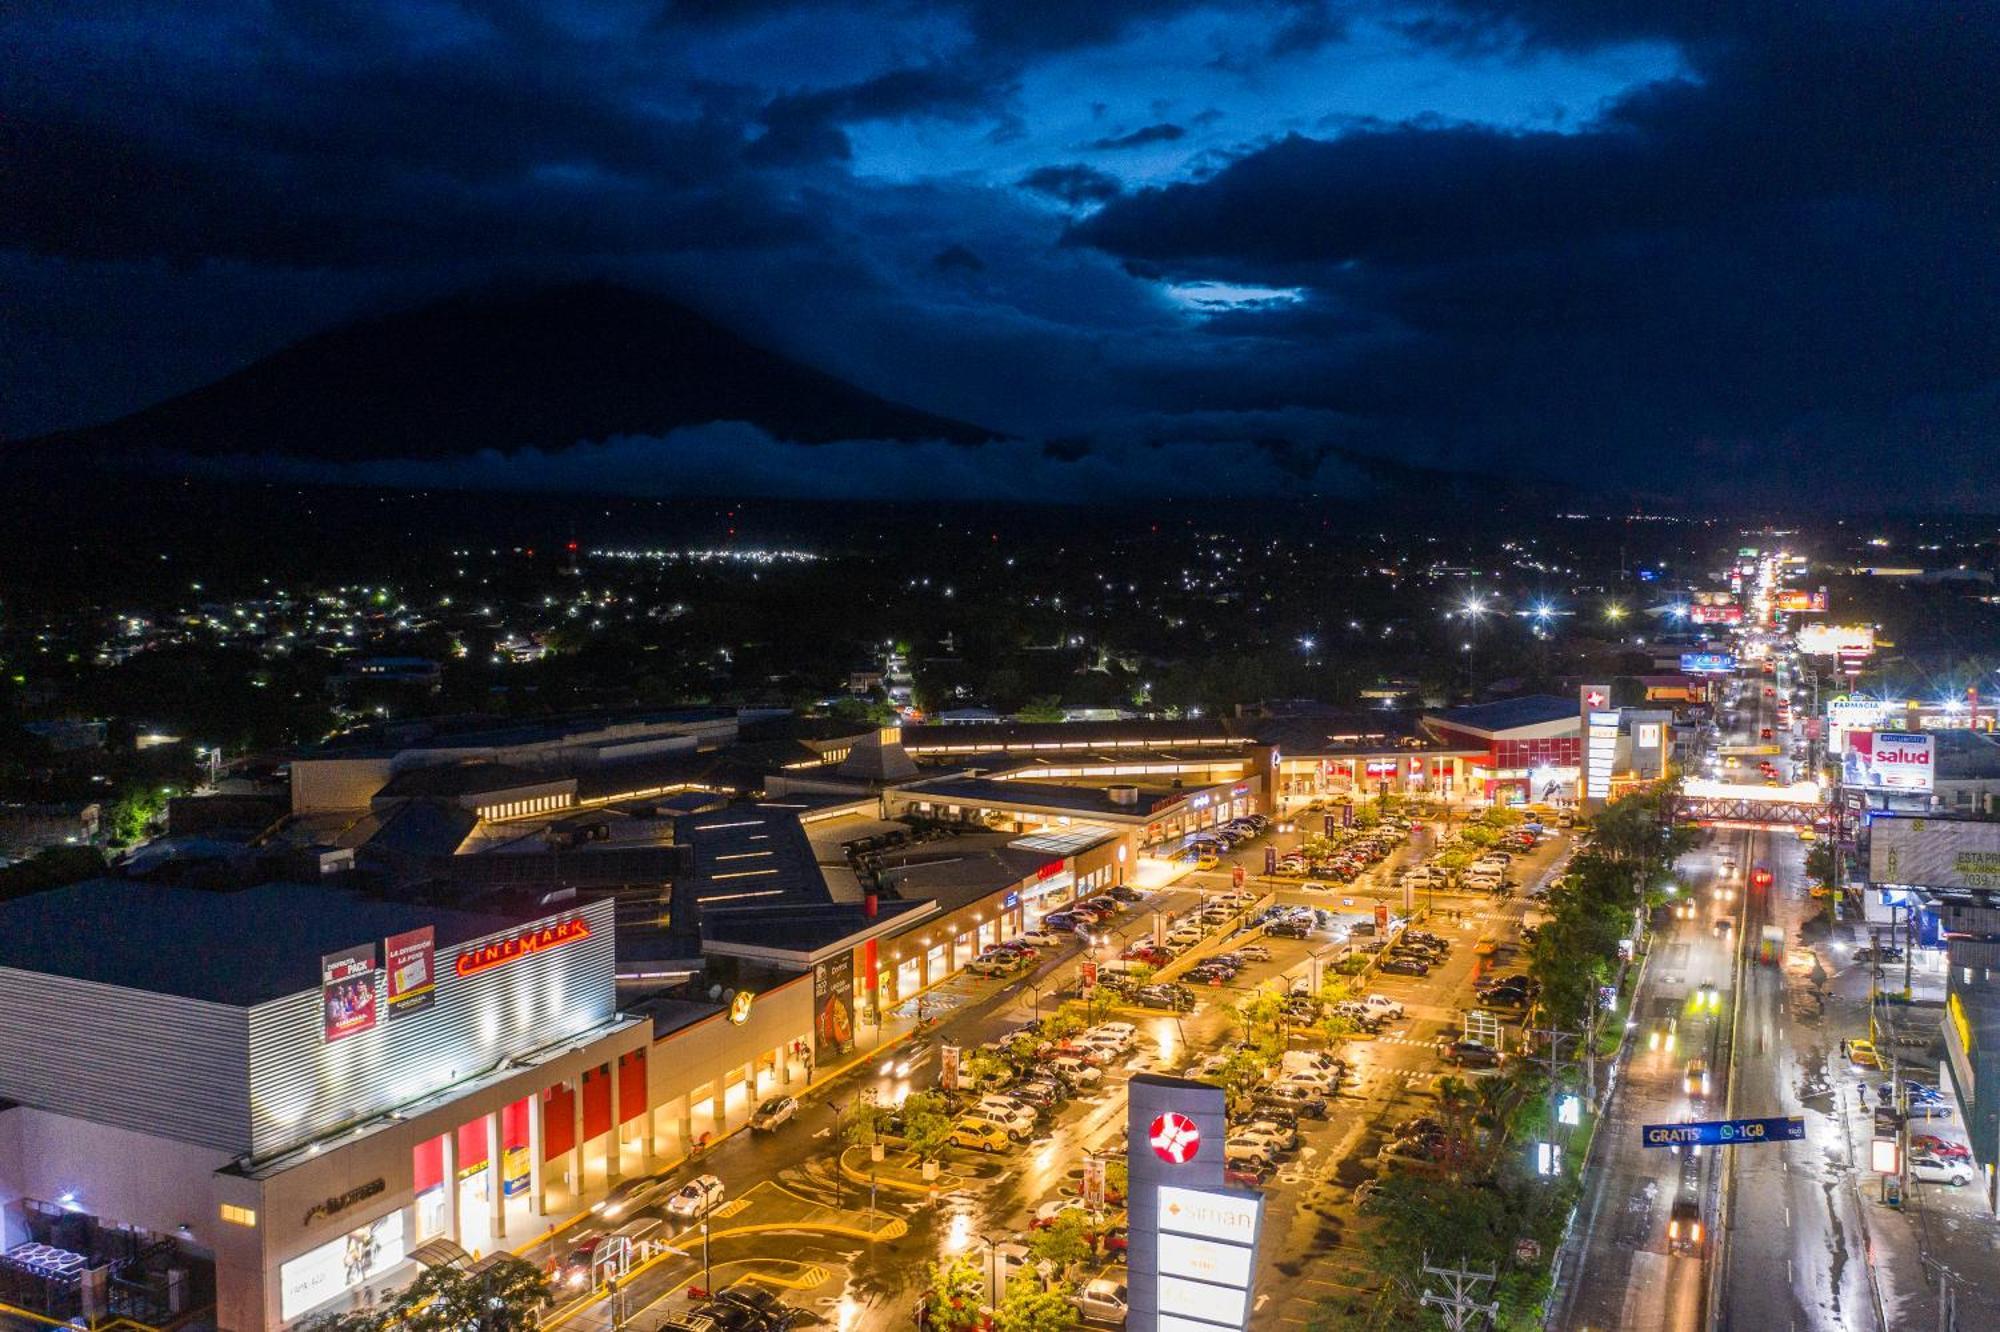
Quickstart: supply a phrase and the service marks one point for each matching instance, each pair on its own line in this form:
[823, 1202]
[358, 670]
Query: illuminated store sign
[498, 954]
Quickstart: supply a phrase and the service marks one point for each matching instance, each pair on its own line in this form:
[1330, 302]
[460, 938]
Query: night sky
[1716, 248]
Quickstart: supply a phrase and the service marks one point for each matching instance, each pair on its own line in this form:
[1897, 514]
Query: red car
[1760, 877]
[1244, 1176]
[1929, 1144]
[1147, 953]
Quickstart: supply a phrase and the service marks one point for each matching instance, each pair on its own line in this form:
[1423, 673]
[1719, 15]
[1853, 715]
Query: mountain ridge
[505, 370]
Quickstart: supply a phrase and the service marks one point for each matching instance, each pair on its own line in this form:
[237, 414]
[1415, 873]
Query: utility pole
[1459, 1306]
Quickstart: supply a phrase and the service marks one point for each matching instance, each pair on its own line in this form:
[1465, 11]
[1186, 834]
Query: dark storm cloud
[1139, 138]
[1074, 184]
[807, 127]
[1801, 226]
[957, 258]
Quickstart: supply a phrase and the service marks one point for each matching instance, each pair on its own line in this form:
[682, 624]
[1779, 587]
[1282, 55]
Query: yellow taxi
[979, 1134]
[1862, 1052]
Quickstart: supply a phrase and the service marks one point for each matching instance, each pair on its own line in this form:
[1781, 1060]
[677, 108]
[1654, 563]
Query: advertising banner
[347, 991]
[1707, 663]
[1715, 614]
[1934, 853]
[833, 1008]
[338, 1266]
[948, 1067]
[1888, 761]
[1827, 640]
[410, 959]
[1093, 1182]
[1798, 601]
[1087, 975]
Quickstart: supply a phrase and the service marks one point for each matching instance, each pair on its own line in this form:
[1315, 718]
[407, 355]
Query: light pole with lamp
[992, 1269]
[839, 1198]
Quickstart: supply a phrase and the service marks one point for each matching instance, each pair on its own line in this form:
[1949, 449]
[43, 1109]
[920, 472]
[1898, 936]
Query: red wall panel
[427, 1161]
[558, 1121]
[596, 1103]
[631, 1086]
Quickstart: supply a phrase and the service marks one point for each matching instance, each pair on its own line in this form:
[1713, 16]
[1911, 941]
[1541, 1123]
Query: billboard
[1731, 614]
[1600, 742]
[1888, 761]
[1934, 853]
[1798, 601]
[1175, 1134]
[833, 1007]
[1827, 640]
[410, 958]
[338, 1266]
[1707, 663]
[347, 991]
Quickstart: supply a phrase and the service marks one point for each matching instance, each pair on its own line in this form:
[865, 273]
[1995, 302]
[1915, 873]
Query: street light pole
[838, 1169]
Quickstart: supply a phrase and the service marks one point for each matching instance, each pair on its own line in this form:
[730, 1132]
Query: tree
[505, 1297]
[864, 1126]
[1820, 863]
[951, 1302]
[1065, 1022]
[1063, 1243]
[1030, 1308]
[927, 1125]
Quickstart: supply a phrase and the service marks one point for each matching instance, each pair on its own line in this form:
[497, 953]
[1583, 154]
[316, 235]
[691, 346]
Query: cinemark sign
[488, 956]
[1175, 1138]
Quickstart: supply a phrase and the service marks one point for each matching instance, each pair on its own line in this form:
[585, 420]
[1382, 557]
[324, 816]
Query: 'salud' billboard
[1888, 761]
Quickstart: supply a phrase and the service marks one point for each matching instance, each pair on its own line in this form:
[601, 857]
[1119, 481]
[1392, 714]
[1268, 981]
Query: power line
[1459, 1306]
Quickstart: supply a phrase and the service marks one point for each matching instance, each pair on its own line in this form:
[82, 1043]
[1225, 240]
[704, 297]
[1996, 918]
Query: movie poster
[347, 991]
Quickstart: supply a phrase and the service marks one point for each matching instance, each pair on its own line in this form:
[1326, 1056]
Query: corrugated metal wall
[153, 1063]
[262, 1079]
[301, 1086]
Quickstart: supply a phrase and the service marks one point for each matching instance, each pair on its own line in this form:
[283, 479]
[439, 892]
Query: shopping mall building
[267, 1099]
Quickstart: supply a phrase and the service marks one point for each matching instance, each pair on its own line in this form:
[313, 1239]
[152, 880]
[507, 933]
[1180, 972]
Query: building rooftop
[240, 948]
[448, 781]
[1509, 713]
[1094, 801]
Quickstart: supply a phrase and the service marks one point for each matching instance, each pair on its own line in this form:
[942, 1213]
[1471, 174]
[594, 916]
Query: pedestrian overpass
[1749, 805]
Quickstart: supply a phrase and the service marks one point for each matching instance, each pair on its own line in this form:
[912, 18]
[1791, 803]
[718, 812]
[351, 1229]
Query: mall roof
[446, 781]
[1091, 800]
[1509, 713]
[238, 948]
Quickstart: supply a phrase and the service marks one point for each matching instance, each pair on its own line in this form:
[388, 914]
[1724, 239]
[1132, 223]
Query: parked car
[980, 1134]
[1929, 1144]
[1937, 1170]
[1405, 966]
[1472, 1054]
[1382, 1006]
[772, 1313]
[1174, 998]
[1018, 1118]
[1103, 1300]
[1042, 938]
[774, 1112]
[1076, 1071]
[696, 1198]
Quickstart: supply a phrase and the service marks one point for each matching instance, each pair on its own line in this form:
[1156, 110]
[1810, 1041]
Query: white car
[1382, 1006]
[776, 1111]
[1120, 1034]
[1103, 1301]
[1075, 1071]
[1185, 937]
[1041, 938]
[1016, 1118]
[696, 1198]
[1259, 1136]
[1932, 1170]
